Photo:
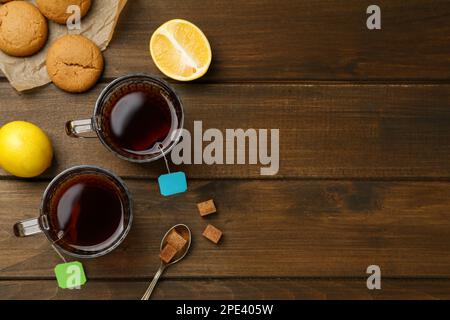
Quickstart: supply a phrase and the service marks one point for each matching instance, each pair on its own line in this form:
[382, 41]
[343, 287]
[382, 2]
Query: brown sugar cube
[206, 208]
[184, 233]
[176, 240]
[212, 233]
[168, 253]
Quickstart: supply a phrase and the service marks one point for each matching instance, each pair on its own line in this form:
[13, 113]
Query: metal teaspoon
[184, 231]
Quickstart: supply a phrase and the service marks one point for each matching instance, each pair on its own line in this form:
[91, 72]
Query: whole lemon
[25, 150]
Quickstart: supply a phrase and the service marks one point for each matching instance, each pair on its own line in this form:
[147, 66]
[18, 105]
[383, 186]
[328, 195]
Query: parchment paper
[98, 25]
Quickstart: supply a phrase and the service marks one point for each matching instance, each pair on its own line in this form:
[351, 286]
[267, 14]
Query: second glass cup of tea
[137, 117]
[85, 212]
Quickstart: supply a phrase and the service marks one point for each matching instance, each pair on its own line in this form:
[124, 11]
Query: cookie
[56, 10]
[74, 63]
[23, 29]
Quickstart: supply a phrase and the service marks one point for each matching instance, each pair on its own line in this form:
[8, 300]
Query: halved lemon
[180, 50]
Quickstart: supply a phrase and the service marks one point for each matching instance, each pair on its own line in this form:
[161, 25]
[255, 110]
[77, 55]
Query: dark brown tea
[140, 119]
[87, 213]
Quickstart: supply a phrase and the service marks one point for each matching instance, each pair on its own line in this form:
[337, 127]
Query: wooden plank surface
[364, 119]
[301, 39]
[296, 40]
[337, 131]
[271, 228]
[302, 289]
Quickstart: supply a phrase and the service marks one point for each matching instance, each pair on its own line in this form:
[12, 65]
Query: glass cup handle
[27, 228]
[77, 128]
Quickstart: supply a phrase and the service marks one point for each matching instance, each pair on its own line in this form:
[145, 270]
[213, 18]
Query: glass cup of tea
[137, 117]
[85, 212]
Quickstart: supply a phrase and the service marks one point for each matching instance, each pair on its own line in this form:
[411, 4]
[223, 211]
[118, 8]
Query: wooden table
[364, 119]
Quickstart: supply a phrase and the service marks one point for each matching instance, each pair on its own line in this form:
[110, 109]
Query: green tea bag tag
[70, 275]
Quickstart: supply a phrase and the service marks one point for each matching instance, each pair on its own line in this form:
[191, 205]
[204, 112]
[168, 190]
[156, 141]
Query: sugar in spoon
[185, 232]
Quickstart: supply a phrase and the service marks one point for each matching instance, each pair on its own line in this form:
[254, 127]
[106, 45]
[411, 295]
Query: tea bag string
[56, 249]
[164, 156]
[59, 253]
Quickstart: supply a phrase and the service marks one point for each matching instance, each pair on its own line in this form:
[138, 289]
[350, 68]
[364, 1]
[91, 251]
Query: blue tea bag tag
[172, 183]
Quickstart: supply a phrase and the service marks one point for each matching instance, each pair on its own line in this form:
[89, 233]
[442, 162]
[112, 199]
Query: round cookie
[56, 10]
[23, 29]
[74, 63]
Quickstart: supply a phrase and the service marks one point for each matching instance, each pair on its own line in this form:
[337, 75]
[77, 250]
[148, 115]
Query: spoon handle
[152, 285]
